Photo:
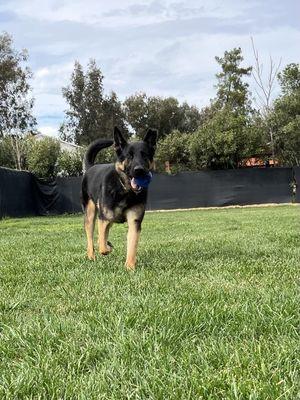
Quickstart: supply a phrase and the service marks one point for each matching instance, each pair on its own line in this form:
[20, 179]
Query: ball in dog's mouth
[138, 184]
[135, 186]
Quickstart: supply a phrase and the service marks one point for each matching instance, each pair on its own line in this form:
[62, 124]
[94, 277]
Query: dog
[112, 191]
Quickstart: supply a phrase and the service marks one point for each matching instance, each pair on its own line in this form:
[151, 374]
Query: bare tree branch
[265, 88]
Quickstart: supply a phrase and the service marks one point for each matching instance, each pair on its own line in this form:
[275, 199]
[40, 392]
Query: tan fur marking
[133, 235]
[120, 168]
[103, 230]
[89, 225]
[120, 165]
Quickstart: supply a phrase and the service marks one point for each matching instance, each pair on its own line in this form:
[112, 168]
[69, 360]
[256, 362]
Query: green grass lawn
[210, 313]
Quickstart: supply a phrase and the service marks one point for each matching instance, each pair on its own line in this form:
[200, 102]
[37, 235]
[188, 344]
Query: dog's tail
[93, 150]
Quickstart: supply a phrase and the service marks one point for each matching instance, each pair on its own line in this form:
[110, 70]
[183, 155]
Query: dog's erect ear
[151, 138]
[119, 141]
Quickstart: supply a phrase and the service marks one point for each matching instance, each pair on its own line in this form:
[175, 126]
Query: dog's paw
[130, 266]
[91, 256]
[105, 251]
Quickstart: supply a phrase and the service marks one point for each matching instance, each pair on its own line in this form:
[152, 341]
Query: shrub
[70, 163]
[174, 148]
[42, 157]
[6, 153]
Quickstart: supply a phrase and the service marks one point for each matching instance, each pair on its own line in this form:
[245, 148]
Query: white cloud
[49, 79]
[125, 13]
[42, 72]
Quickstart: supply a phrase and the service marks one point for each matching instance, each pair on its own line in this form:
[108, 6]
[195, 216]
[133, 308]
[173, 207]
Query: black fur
[93, 150]
[108, 185]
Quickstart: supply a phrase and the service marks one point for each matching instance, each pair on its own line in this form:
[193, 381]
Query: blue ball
[144, 181]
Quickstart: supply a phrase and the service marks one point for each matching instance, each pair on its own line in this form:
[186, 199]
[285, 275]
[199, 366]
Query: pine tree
[232, 91]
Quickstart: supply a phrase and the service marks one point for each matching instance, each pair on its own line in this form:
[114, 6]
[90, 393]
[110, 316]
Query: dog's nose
[139, 170]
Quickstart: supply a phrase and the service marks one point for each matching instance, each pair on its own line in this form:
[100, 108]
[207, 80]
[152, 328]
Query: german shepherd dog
[110, 191]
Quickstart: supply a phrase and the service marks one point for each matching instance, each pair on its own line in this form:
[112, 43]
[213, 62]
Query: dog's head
[135, 159]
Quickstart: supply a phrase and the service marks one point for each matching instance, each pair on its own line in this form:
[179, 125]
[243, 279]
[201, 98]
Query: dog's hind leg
[103, 229]
[89, 225]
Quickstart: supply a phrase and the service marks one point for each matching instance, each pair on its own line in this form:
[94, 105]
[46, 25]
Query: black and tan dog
[111, 191]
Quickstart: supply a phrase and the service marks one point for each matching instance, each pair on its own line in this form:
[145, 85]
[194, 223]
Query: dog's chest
[116, 213]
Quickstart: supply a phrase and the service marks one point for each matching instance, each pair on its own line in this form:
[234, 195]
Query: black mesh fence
[221, 188]
[22, 194]
[17, 194]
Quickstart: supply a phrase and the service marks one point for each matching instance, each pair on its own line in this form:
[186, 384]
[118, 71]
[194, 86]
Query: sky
[161, 47]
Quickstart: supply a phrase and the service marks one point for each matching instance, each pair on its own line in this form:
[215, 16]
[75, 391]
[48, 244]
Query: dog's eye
[145, 155]
[130, 155]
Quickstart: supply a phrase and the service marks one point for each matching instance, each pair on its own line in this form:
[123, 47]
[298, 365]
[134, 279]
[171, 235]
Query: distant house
[259, 160]
[66, 146]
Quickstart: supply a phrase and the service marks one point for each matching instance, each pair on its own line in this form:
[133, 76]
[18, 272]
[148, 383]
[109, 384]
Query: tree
[232, 91]
[164, 114]
[113, 114]
[224, 141]
[285, 117]
[227, 134]
[42, 157]
[91, 114]
[15, 103]
[174, 149]
[137, 113]
[191, 118]
[289, 79]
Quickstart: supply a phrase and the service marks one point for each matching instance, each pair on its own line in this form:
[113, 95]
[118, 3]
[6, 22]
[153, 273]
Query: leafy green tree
[222, 142]
[137, 113]
[287, 140]
[174, 149]
[164, 114]
[191, 118]
[15, 103]
[91, 114]
[227, 134]
[286, 117]
[42, 157]
[289, 79]
[113, 115]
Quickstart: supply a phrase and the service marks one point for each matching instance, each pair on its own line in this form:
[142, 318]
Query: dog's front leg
[134, 219]
[133, 236]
